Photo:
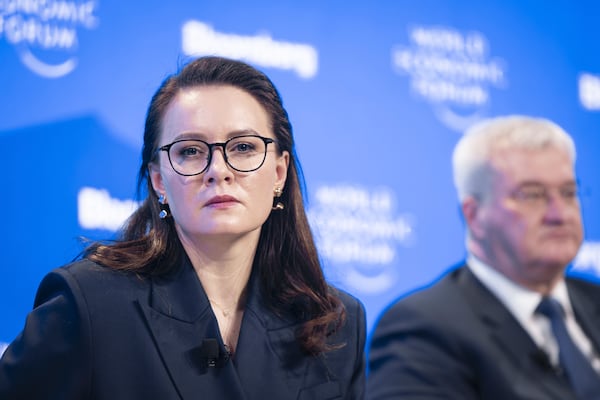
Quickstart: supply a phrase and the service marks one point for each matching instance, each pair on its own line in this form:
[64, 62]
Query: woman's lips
[221, 201]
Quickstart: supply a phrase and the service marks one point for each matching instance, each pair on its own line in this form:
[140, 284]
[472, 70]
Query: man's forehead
[550, 166]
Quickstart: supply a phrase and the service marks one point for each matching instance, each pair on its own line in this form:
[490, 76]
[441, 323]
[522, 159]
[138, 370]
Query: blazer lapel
[269, 360]
[587, 312]
[512, 340]
[179, 317]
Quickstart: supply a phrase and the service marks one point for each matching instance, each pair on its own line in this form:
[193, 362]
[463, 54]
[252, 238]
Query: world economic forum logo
[44, 33]
[359, 233]
[452, 70]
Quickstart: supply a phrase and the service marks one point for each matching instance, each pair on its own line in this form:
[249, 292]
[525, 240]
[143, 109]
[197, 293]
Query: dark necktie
[584, 380]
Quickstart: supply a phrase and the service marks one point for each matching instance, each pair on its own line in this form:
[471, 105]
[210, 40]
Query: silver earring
[277, 205]
[163, 207]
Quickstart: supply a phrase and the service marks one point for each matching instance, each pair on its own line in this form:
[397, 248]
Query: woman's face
[219, 202]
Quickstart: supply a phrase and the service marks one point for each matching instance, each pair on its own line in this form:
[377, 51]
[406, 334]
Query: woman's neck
[223, 266]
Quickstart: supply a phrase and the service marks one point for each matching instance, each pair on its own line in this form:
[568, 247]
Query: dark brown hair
[286, 258]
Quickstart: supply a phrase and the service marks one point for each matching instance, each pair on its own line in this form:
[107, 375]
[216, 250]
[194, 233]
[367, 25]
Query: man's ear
[471, 209]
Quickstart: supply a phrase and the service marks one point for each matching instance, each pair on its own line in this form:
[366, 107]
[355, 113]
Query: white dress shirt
[522, 302]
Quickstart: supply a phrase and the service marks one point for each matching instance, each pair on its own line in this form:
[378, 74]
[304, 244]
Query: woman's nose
[217, 166]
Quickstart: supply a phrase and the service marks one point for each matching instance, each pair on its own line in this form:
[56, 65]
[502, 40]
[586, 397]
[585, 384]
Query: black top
[456, 340]
[96, 333]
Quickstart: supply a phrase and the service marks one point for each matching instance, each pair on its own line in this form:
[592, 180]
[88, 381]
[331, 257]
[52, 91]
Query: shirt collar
[520, 301]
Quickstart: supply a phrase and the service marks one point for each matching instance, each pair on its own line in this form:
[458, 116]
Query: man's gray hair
[473, 152]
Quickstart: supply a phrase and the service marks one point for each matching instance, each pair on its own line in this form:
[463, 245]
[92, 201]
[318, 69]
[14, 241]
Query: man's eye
[534, 195]
[568, 193]
[531, 194]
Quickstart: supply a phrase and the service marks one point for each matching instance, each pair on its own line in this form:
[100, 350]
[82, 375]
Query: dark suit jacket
[98, 334]
[455, 340]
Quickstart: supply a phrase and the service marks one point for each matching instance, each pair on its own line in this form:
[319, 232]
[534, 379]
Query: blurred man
[507, 325]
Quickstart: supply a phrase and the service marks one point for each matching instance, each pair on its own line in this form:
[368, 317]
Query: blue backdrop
[378, 94]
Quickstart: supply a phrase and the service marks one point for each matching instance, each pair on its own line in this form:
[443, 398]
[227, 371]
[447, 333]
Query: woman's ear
[156, 178]
[281, 169]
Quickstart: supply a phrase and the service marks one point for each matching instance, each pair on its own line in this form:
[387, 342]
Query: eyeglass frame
[211, 146]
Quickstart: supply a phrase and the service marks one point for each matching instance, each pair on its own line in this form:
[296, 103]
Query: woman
[214, 289]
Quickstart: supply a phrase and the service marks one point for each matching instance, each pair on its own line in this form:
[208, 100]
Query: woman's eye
[242, 148]
[190, 151]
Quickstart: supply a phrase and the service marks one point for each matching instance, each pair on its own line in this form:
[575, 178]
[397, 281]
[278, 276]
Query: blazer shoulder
[350, 301]
[587, 285]
[88, 279]
[355, 314]
[434, 293]
[435, 301]
[353, 329]
[347, 362]
[87, 271]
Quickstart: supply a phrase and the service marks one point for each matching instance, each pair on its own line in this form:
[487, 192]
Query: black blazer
[456, 340]
[95, 333]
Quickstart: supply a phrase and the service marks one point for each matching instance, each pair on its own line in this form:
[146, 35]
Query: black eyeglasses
[244, 153]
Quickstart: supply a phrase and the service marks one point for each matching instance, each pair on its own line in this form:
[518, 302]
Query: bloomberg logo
[44, 33]
[199, 38]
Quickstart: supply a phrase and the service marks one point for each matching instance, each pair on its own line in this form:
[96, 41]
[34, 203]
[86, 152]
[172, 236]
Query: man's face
[529, 225]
